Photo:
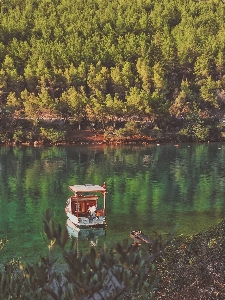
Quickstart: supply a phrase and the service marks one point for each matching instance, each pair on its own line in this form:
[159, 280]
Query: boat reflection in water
[85, 234]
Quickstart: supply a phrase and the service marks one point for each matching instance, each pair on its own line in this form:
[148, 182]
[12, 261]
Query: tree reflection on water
[150, 188]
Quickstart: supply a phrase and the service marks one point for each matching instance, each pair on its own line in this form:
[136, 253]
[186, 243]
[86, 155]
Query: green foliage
[153, 59]
[4, 138]
[116, 271]
[22, 135]
[129, 130]
[200, 130]
[52, 135]
[109, 135]
[25, 281]
[194, 133]
[156, 133]
[18, 135]
[73, 103]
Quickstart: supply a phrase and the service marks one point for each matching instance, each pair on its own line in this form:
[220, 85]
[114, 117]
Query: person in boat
[92, 211]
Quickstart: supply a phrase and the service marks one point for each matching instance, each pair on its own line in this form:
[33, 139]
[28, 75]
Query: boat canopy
[87, 188]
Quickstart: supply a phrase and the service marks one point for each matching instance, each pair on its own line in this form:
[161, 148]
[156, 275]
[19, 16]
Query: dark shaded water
[149, 188]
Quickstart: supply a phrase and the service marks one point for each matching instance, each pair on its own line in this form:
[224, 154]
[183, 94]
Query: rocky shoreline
[193, 267]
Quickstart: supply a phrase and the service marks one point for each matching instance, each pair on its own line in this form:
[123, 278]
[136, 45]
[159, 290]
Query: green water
[149, 188]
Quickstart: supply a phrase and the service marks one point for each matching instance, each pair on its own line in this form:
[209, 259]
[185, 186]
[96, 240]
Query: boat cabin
[80, 204]
[84, 202]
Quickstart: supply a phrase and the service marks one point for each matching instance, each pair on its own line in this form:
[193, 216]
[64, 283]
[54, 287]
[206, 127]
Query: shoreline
[90, 137]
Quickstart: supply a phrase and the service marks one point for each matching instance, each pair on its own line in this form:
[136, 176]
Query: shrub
[117, 271]
[21, 135]
[130, 129]
[4, 137]
[53, 135]
[196, 134]
[156, 133]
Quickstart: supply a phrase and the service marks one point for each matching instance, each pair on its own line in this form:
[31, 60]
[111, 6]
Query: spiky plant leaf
[52, 227]
[65, 237]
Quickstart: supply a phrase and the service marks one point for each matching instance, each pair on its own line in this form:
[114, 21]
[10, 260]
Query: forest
[109, 62]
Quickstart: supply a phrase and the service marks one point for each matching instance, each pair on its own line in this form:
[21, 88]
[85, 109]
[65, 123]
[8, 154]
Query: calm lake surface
[150, 188]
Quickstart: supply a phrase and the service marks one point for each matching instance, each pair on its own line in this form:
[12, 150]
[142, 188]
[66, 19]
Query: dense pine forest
[158, 64]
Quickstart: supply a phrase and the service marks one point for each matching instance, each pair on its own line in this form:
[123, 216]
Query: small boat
[82, 207]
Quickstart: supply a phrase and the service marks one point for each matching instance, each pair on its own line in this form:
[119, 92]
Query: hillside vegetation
[109, 62]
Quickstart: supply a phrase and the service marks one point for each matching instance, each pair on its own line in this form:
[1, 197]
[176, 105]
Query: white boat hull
[84, 232]
[72, 218]
[83, 222]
